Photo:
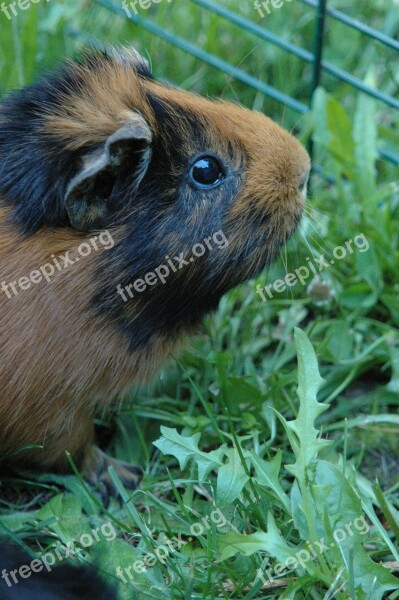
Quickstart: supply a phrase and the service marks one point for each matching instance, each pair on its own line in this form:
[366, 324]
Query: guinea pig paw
[96, 472]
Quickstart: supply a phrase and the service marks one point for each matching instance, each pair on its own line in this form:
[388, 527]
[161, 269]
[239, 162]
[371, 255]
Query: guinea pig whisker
[311, 224]
[326, 248]
[284, 257]
[311, 221]
[248, 54]
[295, 250]
[316, 239]
[321, 248]
[312, 213]
[231, 88]
[283, 116]
[307, 244]
[299, 120]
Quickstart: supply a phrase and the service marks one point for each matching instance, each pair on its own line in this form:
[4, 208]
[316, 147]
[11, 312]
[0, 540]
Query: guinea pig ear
[87, 195]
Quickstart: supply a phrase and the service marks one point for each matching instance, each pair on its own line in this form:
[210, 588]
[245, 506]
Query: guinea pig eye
[206, 172]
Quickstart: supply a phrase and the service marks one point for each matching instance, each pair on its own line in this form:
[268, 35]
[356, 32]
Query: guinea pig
[127, 209]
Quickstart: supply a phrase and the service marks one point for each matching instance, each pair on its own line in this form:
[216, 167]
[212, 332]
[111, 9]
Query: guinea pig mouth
[289, 226]
[283, 222]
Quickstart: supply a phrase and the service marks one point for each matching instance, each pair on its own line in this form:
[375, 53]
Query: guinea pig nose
[304, 181]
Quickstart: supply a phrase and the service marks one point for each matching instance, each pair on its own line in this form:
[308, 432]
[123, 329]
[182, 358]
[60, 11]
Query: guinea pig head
[198, 195]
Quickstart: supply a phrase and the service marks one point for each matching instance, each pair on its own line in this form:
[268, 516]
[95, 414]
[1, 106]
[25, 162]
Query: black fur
[35, 169]
[62, 583]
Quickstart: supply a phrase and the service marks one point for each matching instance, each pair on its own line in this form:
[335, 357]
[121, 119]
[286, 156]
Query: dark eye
[206, 172]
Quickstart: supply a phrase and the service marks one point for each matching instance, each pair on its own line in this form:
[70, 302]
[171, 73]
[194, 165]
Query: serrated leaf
[184, 448]
[337, 501]
[233, 543]
[267, 474]
[303, 435]
[231, 479]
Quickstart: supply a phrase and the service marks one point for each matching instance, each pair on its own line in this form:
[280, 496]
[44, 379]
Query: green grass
[238, 434]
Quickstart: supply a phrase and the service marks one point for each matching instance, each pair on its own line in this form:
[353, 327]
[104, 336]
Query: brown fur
[59, 359]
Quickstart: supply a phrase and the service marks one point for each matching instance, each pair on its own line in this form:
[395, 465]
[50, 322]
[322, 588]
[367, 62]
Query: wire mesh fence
[313, 56]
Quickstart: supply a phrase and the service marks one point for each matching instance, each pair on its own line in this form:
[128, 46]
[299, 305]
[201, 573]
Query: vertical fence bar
[318, 45]
[317, 57]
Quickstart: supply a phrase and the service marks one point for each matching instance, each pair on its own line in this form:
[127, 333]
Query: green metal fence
[314, 57]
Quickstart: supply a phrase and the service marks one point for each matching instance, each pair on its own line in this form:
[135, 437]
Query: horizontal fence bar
[305, 55]
[389, 156]
[210, 59]
[357, 25]
[254, 28]
[359, 85]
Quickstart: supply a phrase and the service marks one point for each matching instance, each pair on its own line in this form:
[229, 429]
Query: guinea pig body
[101, 157]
